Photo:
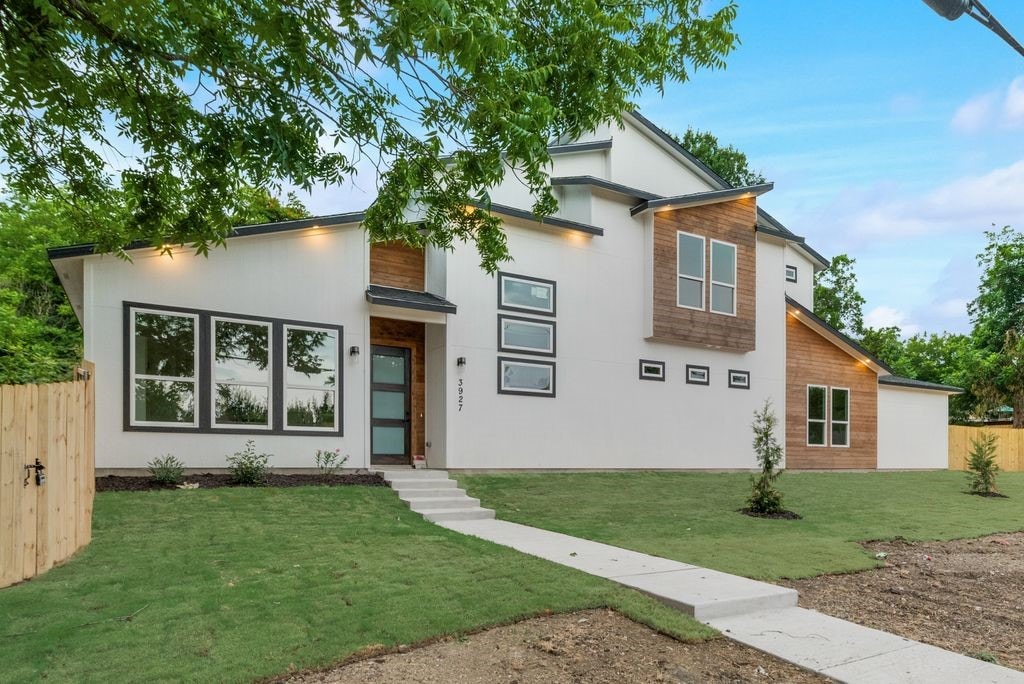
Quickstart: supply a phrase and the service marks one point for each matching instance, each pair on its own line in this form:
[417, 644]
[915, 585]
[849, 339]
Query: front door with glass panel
[389, 406]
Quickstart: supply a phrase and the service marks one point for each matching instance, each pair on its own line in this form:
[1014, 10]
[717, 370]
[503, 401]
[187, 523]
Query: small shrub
[249, 468]
[765, 499]
[167, 470]
[986, 656]
[982, 466]
[329, 462]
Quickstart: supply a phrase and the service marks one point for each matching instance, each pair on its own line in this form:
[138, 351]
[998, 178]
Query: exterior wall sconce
[353, 351]
[461, 361]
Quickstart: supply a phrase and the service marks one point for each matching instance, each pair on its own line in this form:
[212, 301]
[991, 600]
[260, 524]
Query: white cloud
[952, 308]
[1013, 105]
[885, 316]
[976, 114]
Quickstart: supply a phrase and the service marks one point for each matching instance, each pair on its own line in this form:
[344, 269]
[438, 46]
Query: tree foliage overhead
[836, 298]
[192, 99]
[725, 160]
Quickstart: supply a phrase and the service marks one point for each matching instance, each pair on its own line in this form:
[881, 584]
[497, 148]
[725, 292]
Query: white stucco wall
[912, 429]
[803, 289]
[314, 276]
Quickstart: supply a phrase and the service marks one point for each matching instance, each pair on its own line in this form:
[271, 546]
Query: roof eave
[697, 199]
[855, 350]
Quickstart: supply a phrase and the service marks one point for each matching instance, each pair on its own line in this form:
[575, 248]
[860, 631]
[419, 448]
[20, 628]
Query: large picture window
[723, 278]
[164, 375]
[202, 371]
[690, 283]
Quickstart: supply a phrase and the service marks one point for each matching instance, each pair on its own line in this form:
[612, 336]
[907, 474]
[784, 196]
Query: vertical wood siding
[41, 526]
[396, 264]
[1009, 446]
[409, 335]
[813, 360]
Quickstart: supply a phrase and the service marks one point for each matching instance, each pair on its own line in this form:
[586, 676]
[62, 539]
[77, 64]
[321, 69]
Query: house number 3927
[460, 394]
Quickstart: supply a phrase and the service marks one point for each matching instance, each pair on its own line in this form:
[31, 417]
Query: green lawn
[233, 584]
[692, 517]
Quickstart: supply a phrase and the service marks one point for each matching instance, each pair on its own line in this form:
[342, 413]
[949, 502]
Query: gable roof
[698, 198]
[854, 349]
[911, 383]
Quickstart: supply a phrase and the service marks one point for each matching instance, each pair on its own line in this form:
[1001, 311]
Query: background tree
[836, 298]
[196, 99]
[725, 160]
[998, 317]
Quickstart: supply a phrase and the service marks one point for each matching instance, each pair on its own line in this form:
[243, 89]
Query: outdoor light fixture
[353, 351]
[954, 9]
[461, 361]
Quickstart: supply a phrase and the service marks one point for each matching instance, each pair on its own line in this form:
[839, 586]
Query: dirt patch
[781, 515]
[594, 646]
[122, 483]
[965, 596]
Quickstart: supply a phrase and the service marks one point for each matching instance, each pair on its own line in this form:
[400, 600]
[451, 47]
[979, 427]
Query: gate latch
[38, 467]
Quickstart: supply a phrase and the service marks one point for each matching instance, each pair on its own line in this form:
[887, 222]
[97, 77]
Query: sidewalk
[758, 614]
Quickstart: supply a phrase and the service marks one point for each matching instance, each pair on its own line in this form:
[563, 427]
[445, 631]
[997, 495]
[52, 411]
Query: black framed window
[698, 375]
[652, 370]
[192, 370]
[526, 377]
[526, 335]
[526, 294]
[739, 379]
[791, 273]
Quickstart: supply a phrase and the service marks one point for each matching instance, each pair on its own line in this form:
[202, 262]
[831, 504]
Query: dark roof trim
[838, 335]
[603, 184]
[768, 224]
[671, 142]
[698, 198]
[552, 221]
[240, 231]
[408, 299]
[570, 148]
[911, 383]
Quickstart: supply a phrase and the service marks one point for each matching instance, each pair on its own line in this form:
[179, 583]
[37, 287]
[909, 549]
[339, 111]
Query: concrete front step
[411, 474]
[441, 492]
[448, 514]
[440, 503]
[404, 484]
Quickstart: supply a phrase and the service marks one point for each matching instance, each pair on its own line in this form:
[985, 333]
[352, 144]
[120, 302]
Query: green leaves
[836, 298]
[179, 104]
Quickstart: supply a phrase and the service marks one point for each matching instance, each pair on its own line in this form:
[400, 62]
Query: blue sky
[891, 134]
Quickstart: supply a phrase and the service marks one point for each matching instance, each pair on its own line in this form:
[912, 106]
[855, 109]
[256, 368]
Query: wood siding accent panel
[813, 360]
[396, 264]
[408, 335]
[731, 222]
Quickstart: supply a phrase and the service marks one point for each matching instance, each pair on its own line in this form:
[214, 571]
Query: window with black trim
[189, 370]
[526, 335]
[698, 375]
[526, 377]
[791, 274]
[652, 370]
[526, 294]
[739, 379]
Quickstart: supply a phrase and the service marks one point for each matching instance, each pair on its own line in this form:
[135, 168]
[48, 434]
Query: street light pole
[954, 9]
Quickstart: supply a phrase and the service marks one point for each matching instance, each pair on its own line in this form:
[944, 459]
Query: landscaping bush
[982, 466]
[167, 470]
[765, 500]
[249, 468]
[329, 462]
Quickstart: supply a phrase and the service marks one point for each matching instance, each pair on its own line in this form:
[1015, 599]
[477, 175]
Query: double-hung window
[828, 416]
[690, 271]
[164, 373]
[723, 277]
[311, 378]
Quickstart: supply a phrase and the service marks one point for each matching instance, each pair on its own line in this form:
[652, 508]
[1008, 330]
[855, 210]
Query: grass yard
[236, 584]
[692, 517]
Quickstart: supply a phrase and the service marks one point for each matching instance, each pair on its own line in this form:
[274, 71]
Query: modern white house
[640, 327]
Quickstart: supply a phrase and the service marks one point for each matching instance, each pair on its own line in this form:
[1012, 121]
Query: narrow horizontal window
[241, 373]
[526, 336]
[652, 370]
[164, 368]
[533, 378]
[311, 378]
[817, 397]
[791, 274]
[690, 271]
[698, 375]
[739, 379]
[840, 415]
[526, 294]
[723, 278]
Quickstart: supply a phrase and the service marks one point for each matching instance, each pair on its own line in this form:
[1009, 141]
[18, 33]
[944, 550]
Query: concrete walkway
[758, 614]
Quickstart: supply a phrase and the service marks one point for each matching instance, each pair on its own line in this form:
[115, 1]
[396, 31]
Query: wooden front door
[390, 406]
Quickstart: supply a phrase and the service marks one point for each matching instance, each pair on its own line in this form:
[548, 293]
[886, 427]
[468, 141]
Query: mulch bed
[964, 595]
[781, 515]
[122, 483]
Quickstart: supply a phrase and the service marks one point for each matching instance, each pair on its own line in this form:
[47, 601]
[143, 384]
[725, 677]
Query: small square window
[791, 274]
[739, 379]
[698, 375]
[652, 370]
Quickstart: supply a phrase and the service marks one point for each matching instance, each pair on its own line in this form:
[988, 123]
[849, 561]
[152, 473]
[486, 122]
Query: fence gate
[47, 473]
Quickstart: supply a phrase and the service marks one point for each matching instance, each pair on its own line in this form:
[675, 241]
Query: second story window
[791, 274]
[695, 264]
[690, 288]
[723, 278]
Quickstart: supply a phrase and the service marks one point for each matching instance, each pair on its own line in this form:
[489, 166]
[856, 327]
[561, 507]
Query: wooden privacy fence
[1009, 446]
[45, 513]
